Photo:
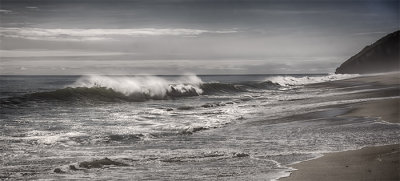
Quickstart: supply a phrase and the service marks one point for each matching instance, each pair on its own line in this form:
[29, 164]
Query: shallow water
[176, 127]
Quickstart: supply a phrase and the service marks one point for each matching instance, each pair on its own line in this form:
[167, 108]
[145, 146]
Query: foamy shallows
[186, 127]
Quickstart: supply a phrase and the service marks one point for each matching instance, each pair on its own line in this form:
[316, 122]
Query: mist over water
[175, 127]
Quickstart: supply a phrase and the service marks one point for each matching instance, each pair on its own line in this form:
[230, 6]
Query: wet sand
[370, 163]
[385, 110]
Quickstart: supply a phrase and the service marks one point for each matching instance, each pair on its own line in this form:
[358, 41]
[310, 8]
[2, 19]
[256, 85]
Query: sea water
[188, 127]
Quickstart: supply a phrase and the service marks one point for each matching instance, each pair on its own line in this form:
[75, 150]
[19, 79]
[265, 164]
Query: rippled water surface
[176, 127]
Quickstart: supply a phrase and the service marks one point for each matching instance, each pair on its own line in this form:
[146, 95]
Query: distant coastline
[381, 56]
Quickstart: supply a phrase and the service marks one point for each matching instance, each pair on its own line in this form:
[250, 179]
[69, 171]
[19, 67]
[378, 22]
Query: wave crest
[304, 80]
[149, 86]
[136, 89]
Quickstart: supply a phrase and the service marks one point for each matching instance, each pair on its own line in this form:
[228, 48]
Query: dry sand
[371, 163]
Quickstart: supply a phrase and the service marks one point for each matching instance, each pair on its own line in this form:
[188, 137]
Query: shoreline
[386, 110]
[369, 162]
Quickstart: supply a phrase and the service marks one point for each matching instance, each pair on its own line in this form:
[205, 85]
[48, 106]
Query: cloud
[5, 11]
[54, 53]
[98, 34]
[138, 67]
[370, 33]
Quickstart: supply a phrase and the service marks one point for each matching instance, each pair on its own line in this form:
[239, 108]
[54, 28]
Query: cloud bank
[98, 34]
[5, 11]
[53, 53]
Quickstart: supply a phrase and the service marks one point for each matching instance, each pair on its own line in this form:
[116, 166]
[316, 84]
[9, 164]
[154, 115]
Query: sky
[129, 37]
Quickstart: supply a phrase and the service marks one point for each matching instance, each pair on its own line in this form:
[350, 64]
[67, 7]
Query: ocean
[186, 127]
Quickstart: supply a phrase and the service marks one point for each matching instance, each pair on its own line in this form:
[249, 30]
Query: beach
[189, 127]
[199, 90]
[369, 163]
[385, 110]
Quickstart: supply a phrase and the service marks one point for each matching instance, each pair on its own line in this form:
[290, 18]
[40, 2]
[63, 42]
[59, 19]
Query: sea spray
[151, 86]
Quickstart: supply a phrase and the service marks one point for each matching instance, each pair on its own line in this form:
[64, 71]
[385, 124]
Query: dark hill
[381, 56]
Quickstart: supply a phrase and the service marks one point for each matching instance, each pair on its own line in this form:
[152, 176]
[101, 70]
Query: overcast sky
[192, 36]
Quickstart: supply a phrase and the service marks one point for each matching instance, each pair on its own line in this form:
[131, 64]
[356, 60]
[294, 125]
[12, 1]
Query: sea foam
[295, 81]
[148, 85]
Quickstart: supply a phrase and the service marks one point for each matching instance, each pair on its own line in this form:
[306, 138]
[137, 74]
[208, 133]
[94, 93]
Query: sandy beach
[385, 110]
[370, 163]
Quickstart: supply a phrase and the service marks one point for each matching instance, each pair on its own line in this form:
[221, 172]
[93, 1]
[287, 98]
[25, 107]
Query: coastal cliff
[381, 56]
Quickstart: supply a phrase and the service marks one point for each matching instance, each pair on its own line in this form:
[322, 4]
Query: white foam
[149, 85]
[49, 138]
[294, 81]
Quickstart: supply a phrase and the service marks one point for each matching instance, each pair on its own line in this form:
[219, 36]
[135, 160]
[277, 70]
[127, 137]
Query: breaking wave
[151, 86]
[131, 89]
[134, 89]
[304, 80]
[142, 88]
